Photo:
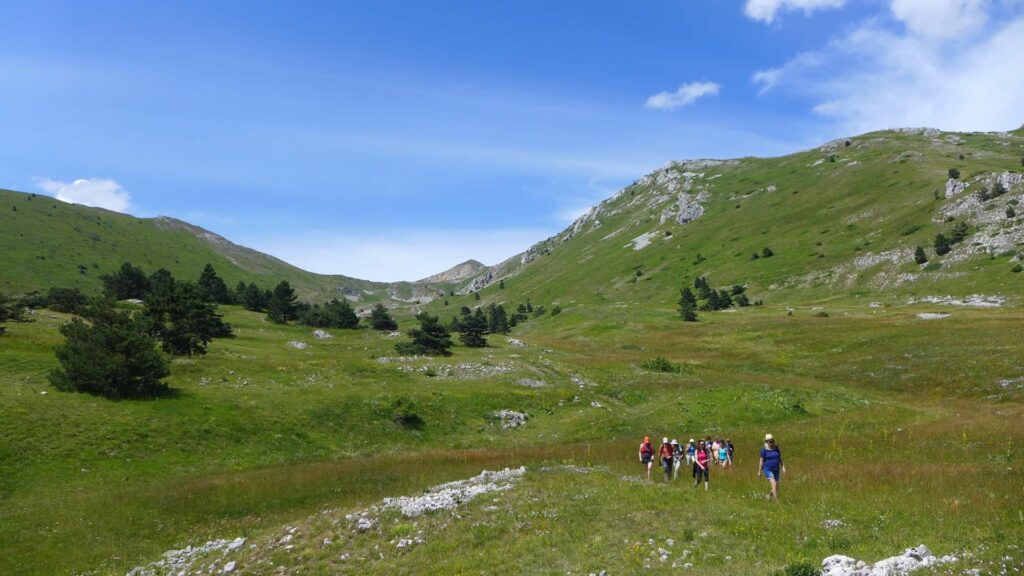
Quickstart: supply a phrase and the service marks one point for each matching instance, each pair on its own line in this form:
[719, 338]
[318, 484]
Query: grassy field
[895, 425]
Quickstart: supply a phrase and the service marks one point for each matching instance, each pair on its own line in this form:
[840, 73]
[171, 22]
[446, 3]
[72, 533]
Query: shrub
[919, 256]
[800, 569]
[953, 173]
[941, 244]
[660, 364]
[1010, 212]
[381, 320]
[932, 266]
[556, 310]
[821, 314]
[767, 253]
[909, 230]
[1017, 268]
[112, 356]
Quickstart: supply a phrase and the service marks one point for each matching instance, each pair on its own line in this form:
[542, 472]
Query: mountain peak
[459, 272]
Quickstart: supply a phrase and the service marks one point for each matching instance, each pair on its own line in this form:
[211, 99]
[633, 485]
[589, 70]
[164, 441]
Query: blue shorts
[771, 474]
[646, 459]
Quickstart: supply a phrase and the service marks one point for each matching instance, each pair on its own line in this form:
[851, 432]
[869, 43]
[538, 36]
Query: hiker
[723, 455]
[647, 455]
[691, 451]
[677, 458]
[771, 465]
[732, 449]
[665, 452]
[715, 445]
[701, 466]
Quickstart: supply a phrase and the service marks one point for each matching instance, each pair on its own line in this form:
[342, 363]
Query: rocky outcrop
[912, 559]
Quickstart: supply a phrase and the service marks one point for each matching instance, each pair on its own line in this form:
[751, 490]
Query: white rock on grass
[510, 418]
[910, 560]
[932, 315]
[298, 345]
[516, 343]
[321, 334]
[453, 494]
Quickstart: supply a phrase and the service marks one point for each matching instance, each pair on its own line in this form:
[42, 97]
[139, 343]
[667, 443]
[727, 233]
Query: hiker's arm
[760, 466]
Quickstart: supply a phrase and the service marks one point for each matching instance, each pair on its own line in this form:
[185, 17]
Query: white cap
[768, 437]
[673, 441]
[664, 440]
[692, 440]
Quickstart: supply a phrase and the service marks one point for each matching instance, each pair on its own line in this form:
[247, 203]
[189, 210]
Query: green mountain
[842, 219]
[47, 243]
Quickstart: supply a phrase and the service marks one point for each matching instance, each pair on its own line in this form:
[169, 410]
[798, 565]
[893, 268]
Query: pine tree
[1010, 212]
[431, 338]
[724, 300]
[919, 256]
[953, 174]
[688, 305]
[941, 244]
[239, 295]
[497, 319]
[254, 299]
[960, 232]
[741, 300]
[476, 296]
[501, 284]
[704, 291]
[529, 306]
[281, 307]
[212, 287]
[9, 310]
[767, 253]
[381, 320]
[474, 329]
[127, 282]
[334, 314]
[455, 326]
[112, 355]
[183, 321]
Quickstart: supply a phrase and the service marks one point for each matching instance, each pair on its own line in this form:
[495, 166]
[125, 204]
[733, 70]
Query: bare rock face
[954, 187]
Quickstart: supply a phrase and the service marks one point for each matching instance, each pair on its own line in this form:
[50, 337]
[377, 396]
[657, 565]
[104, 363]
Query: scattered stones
[321, 334]
[596, 404]
[181, 561]
[453, 494]
[911, 559]
[832, 523]
[510, 418]
[516, 343]
[974, 300]
[531, 383]
[298, 345]
[933, 315]
[228, 568]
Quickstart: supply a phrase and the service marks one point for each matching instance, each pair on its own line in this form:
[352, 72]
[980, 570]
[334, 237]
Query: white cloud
[97, 192]
[941, 19]
[888, 73]
[766, 10]
[686, 94]
[398, 255]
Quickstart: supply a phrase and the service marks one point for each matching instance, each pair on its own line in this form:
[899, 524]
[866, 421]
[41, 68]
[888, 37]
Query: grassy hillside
[842, 220]
[51, 243]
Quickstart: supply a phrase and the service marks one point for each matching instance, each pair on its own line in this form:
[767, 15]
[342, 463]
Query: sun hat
[673, 441]
[664, 440]
[692, 440]
[768, 437]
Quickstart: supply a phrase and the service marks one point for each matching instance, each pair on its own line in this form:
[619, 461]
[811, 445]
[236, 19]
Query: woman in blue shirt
[771, 465]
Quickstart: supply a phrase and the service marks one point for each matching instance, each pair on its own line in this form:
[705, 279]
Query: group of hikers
[704, 454]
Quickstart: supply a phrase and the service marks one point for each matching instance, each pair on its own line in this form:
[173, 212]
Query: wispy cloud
[767, 10]
[97, 192]
[686, 94]
[910, 67]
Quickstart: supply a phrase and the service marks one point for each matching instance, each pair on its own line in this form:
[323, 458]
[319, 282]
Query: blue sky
[390, 140]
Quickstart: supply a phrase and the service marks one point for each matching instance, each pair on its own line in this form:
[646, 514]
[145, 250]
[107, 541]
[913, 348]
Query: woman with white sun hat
[771, 465]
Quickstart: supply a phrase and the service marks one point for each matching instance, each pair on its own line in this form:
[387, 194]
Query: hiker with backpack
[677, 458]
[771, 465]
[691, 451]
[647, 455]
[666, 453]
[702, 466]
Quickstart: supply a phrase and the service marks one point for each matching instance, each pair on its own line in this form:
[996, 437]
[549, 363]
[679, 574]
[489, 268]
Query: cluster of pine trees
[942, 243]
[708, 299]
[473, 326]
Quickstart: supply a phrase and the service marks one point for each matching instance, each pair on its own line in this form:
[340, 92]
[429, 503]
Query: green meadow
[906, 430]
